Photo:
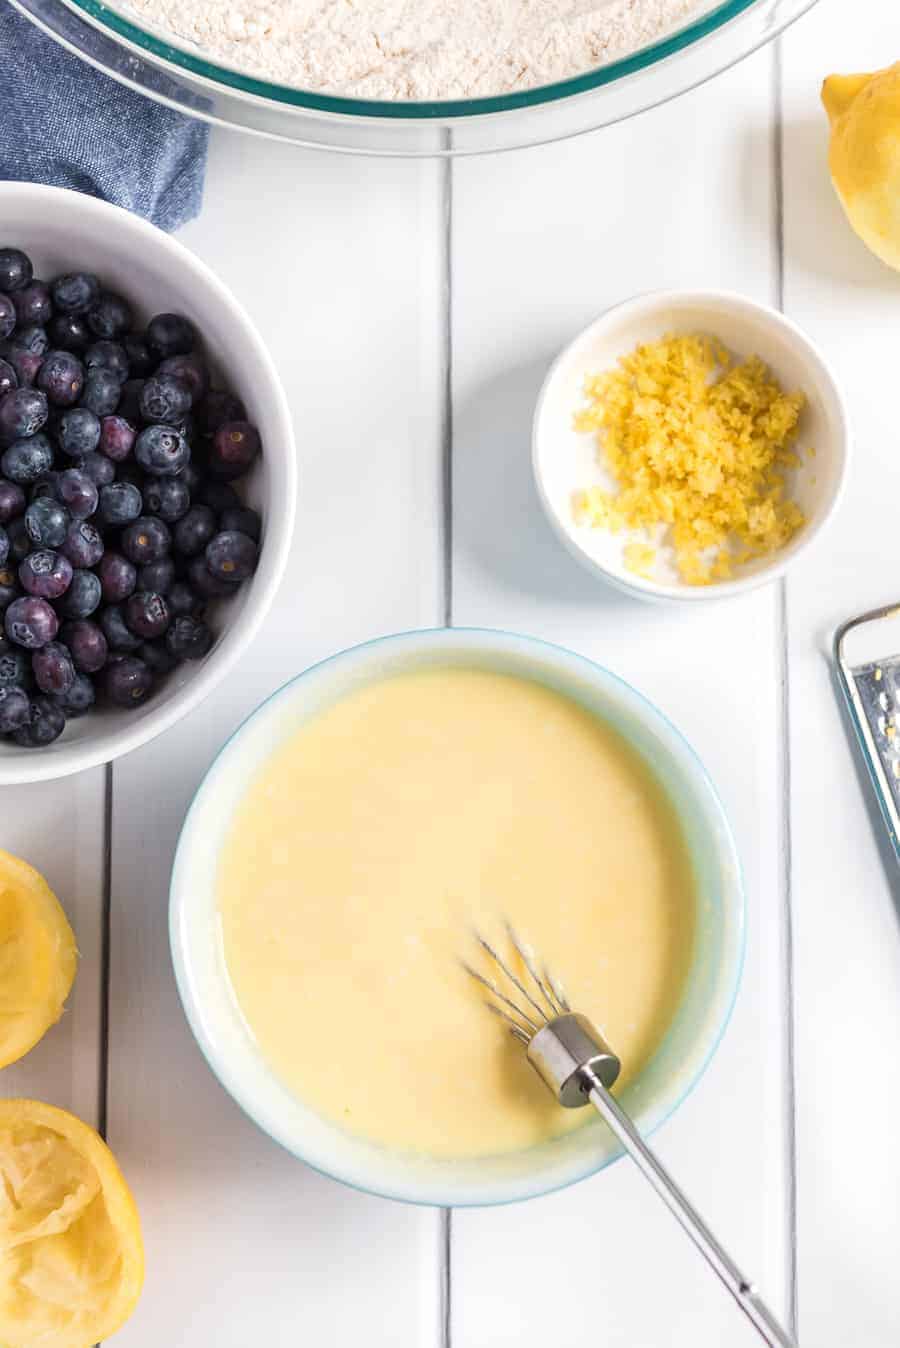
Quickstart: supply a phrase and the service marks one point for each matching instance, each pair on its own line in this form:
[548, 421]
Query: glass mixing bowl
[721, 33]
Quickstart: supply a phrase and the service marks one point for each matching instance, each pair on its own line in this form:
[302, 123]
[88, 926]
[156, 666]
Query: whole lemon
[864, 111]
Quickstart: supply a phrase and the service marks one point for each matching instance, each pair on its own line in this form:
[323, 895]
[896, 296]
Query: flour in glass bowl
[417, 50]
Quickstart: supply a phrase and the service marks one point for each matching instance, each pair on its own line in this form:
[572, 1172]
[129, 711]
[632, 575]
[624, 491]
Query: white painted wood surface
[246, 1246]
[846, 900]
[552, 261]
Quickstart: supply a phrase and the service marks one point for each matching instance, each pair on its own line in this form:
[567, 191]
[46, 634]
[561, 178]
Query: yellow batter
[378, 834]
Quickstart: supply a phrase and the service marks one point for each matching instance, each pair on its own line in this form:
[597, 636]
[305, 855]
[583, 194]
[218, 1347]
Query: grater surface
[878, 685]
[871, 687]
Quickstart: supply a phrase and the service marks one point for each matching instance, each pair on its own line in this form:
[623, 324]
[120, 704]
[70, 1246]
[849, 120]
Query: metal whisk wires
[523, 1024]
[575, 1062]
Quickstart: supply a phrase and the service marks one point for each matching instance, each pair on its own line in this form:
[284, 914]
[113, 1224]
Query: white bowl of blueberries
[147, 482]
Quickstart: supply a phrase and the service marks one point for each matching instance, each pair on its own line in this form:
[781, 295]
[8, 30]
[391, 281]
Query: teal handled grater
[870, 682]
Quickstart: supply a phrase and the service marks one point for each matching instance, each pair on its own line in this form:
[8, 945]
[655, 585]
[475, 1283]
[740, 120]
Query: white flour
[414, 49]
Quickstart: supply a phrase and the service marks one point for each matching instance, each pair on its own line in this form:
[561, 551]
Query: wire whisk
[579, 1067]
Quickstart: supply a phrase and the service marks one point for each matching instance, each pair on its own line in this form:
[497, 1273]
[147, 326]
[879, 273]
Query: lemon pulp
[71, 1257]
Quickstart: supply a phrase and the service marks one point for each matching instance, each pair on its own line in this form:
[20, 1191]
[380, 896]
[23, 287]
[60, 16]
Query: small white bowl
[565, 459]
[62, 231]
[227, 1041]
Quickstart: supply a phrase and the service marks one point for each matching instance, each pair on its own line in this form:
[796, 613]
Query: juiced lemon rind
[38, 958]
[71, 1253]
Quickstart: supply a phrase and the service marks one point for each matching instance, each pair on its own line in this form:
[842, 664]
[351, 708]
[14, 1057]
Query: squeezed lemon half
[38, 958]
[71, 1255]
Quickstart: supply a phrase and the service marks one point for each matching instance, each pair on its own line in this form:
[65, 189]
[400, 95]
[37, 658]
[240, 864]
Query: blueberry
[188, 639]
[119, 636]
[99, 469]
[79, 698]
[53, 669]
[206, 585]
[160, 450]
[157, 656]
[158, 576]
[165, 399]
[116, 438]
[146, 540]
[107, 356]
[33, 303]
[170, 335]
[77, 492]
[183, 601]
[167, 497]
[231, 556]
[12, 500]
[102, 392]
[194, 530]
[15, 667]
[75, 293]
[19, 542]
[83, 595]
[243, 519]
[120, 503]
[68, 332]
[27, 460]
[191, 371]
[235, 445]
[46, 521]
[15, 707]
[16, 270]
[10, 588]
[46, 722]
[7, 316]
[45, 574]
[26, 365]
[128, 682]
[141, 360]
[147, 614]
[61, 377]
[219, 407]
[110, 317]
[33, 339]
[118, 577]
[4, 546]
[22, 413]
[79, 432]
[82, 545]
[88, 645]
[8, 378]
[30, 622]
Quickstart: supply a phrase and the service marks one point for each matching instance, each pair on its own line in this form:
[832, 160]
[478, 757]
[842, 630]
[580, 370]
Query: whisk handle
[743, 1291]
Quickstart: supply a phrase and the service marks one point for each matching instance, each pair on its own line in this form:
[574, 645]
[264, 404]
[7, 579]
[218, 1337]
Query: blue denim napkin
[66, 124]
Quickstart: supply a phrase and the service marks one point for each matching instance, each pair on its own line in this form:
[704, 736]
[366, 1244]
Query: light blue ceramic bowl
[225, 1038]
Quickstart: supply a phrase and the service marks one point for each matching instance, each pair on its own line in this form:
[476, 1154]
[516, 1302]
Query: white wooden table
[412, 309]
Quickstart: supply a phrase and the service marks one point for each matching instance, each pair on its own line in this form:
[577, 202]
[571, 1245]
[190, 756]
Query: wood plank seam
[785, 733]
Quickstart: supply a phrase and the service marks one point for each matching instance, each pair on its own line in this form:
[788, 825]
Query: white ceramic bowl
[62, 231]
[229, 1045]
[565, 459]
